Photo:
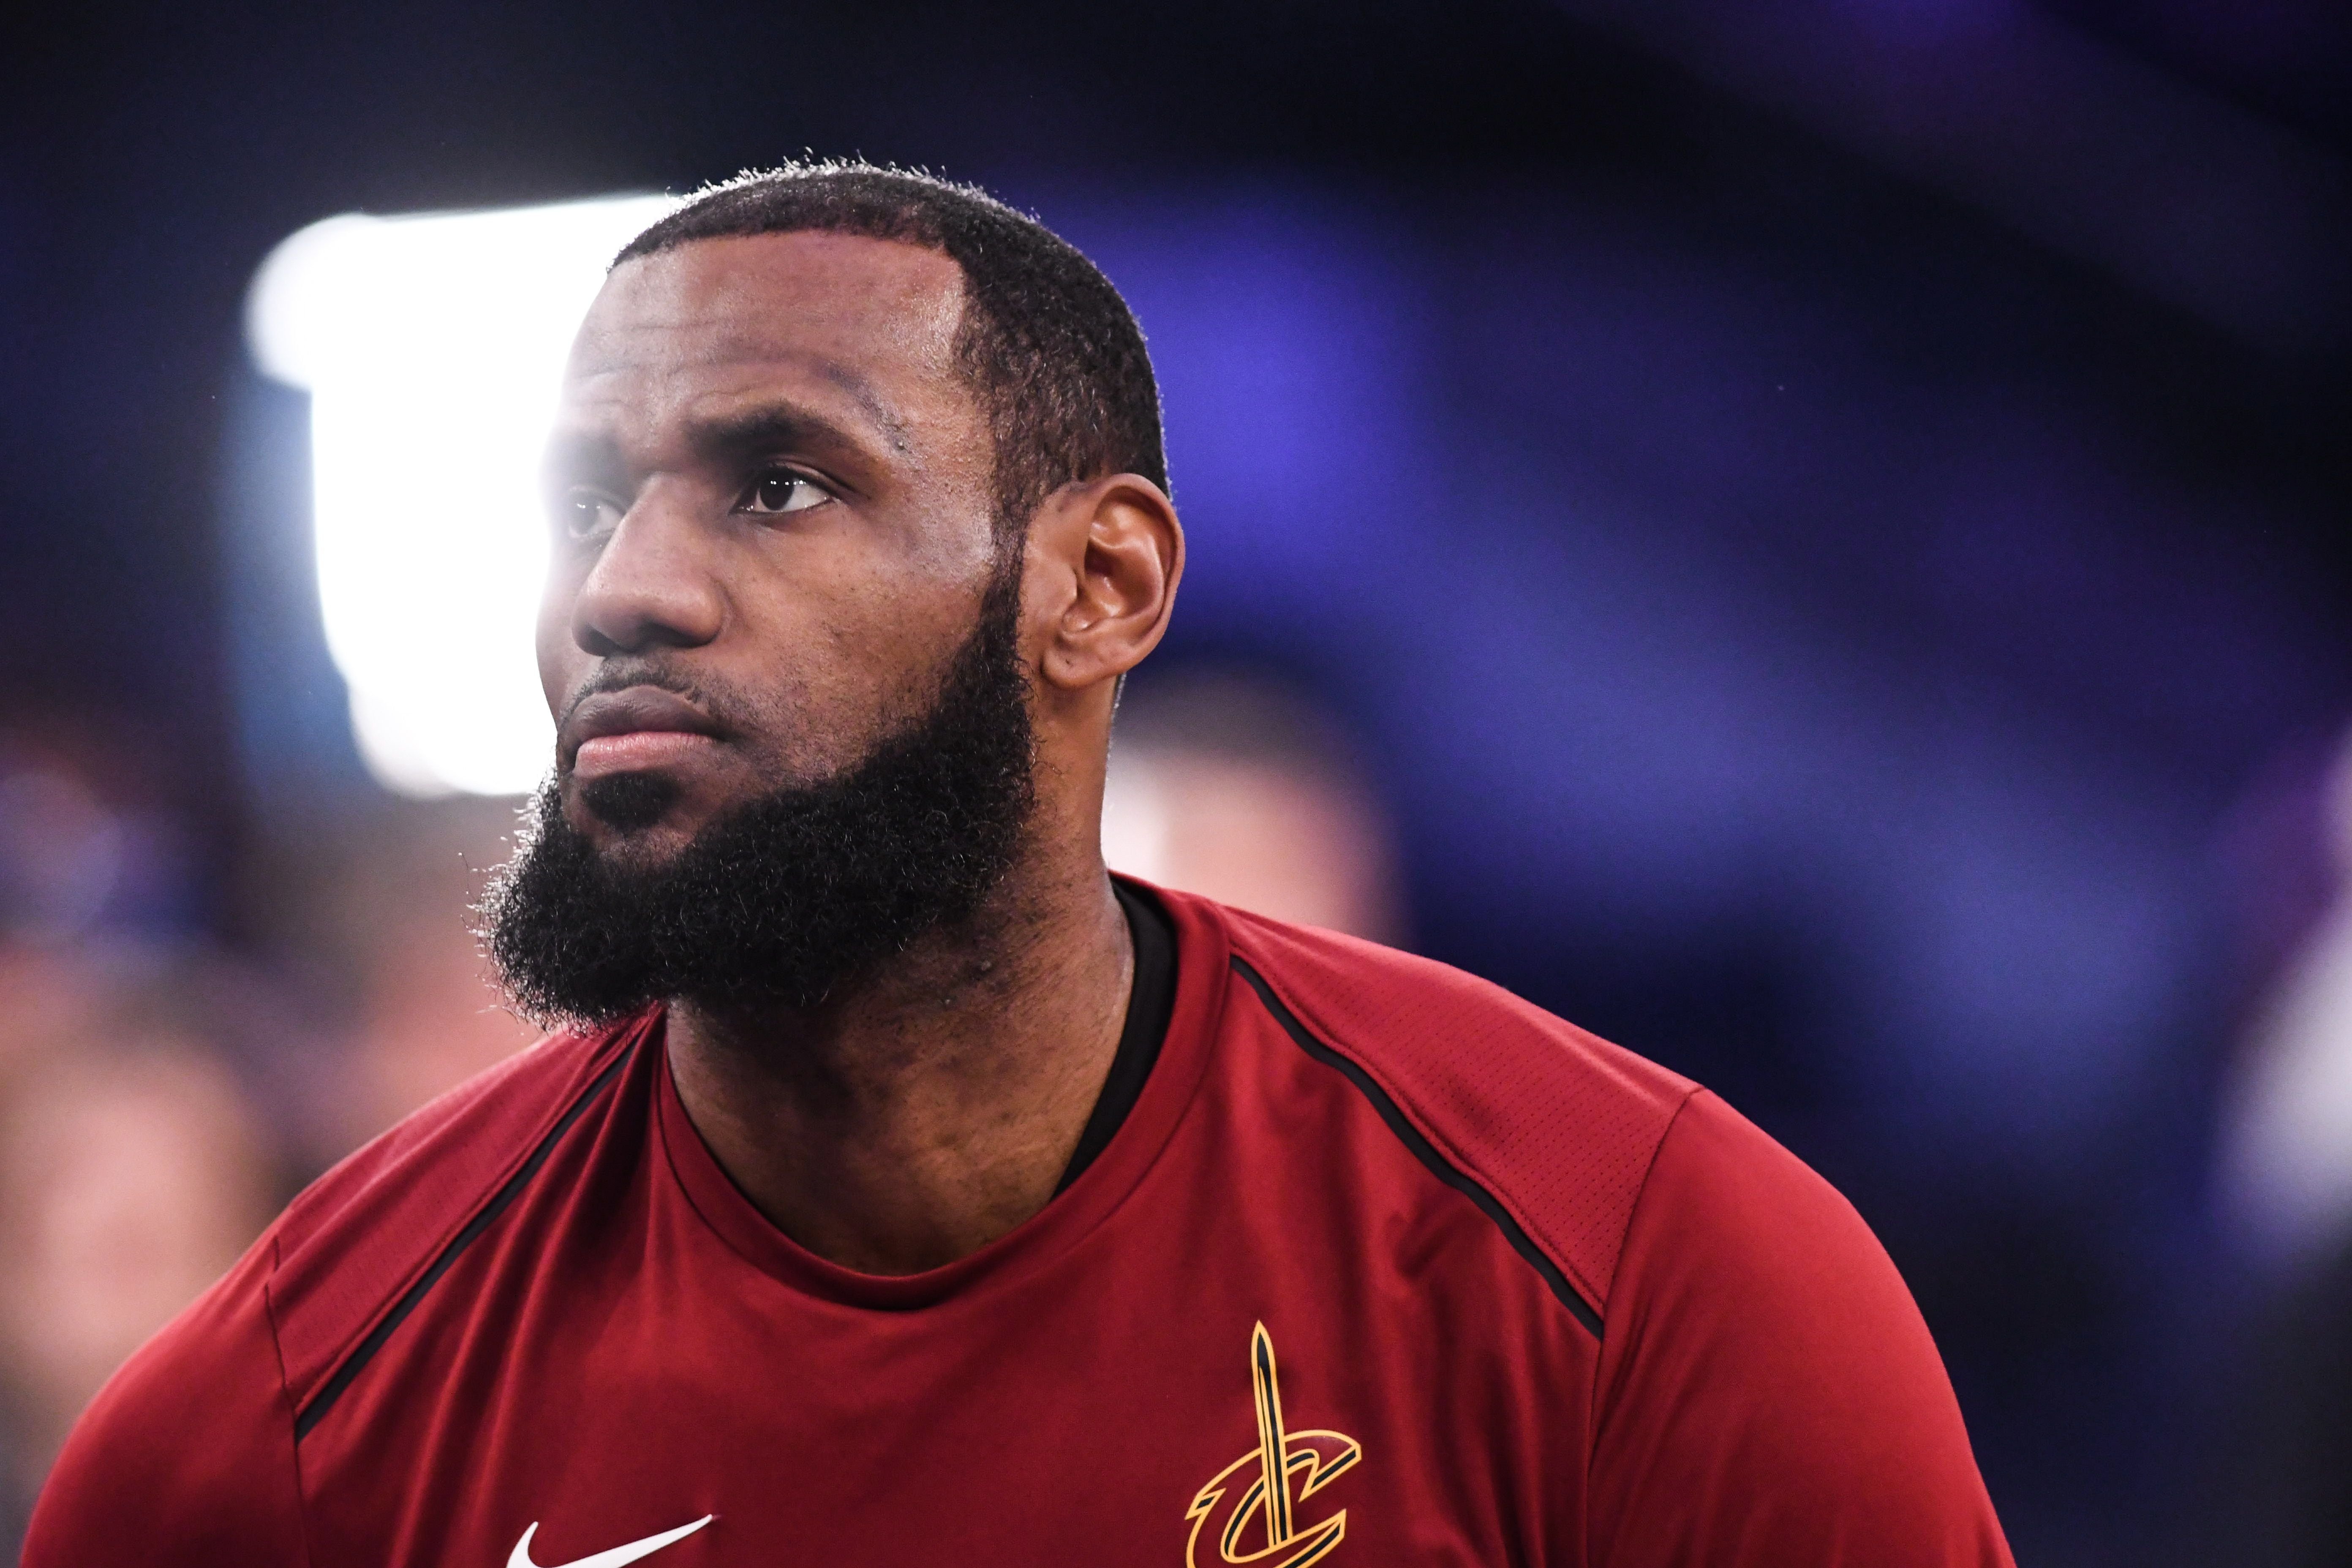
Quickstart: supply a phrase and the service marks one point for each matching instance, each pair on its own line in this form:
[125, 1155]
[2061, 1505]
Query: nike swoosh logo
[520, 1556]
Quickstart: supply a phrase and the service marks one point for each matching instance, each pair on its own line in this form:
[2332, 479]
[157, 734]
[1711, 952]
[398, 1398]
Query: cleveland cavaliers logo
[1285, 1469]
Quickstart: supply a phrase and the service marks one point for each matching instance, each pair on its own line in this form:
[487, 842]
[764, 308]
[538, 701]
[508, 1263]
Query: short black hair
[1047, 344]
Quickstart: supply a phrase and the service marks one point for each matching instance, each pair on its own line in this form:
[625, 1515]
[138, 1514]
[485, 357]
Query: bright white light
[432, 349]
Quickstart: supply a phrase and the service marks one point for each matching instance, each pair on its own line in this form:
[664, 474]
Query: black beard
[784, 899]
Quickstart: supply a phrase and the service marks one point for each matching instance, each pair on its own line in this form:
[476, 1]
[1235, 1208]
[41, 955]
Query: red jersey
[1383, 1266]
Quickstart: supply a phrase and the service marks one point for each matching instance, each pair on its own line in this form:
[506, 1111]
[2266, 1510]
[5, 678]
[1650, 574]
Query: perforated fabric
[1559, 1125]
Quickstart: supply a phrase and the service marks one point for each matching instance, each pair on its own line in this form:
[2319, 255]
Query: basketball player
[899, 1187]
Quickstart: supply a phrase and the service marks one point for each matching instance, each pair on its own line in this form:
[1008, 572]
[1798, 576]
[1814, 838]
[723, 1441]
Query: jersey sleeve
[1768, 1392]
[186, 1457]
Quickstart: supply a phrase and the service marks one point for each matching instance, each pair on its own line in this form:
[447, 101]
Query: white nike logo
[520, 1557]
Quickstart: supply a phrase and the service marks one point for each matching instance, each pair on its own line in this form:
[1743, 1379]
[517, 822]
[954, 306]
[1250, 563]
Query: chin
[629, 806]
[652, 807]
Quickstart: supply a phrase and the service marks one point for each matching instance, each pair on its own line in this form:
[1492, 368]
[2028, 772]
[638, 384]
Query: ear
[1108, 555]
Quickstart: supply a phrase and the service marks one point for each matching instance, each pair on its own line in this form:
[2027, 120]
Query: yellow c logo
[1286, 1469]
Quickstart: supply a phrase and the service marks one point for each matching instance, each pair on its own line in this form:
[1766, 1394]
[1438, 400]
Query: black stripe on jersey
[1424, 1150]
[324, 1400]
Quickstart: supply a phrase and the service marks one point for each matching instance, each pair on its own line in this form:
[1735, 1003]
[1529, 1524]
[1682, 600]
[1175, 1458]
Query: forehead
[873, 319]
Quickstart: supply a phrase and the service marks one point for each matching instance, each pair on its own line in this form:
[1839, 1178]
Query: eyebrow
[777, 425]
[591, 455]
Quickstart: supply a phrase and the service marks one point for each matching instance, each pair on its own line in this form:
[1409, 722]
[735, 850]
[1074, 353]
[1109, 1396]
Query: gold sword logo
[1282, 1460]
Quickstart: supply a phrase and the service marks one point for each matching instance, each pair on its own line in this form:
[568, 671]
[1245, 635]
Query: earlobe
[1122, 549]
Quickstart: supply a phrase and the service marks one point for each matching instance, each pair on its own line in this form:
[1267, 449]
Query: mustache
[621, 674]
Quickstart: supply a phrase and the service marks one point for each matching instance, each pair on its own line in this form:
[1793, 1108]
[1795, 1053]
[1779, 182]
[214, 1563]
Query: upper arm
[1767, 1391]
[186, 1456]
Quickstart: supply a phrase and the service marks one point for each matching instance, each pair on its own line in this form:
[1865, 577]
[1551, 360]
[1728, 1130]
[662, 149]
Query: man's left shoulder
[1558, 1125]
[1767, 1391]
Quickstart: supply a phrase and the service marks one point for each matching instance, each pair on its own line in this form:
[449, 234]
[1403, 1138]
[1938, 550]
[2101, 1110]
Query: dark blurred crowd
[161, 1095]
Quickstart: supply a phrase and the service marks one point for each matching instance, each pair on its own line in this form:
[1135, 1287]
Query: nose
[652, 586]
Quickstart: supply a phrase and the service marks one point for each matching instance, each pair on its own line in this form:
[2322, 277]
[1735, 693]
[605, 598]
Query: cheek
[836, 671]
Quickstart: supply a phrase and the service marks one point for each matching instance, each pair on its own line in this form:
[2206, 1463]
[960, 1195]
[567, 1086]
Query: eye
[584, 514]
[780, 490]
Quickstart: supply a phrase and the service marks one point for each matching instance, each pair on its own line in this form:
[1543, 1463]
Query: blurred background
[1807, 539]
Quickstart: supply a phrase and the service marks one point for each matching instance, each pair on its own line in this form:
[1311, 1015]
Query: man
[903, 1190]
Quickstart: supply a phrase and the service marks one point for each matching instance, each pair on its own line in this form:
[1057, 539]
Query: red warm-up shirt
[1383, 1266]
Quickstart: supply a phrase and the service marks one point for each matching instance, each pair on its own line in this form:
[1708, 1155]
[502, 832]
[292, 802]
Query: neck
[926, 1111]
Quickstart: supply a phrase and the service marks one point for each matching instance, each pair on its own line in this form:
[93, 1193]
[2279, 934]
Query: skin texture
[731, 631]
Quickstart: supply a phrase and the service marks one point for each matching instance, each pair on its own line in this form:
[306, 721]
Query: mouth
[640, 729]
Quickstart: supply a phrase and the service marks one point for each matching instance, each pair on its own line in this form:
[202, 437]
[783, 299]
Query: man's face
[782, 643]
[771, 498]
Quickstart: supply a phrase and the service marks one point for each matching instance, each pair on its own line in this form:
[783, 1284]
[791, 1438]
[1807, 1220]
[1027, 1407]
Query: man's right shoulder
[188, 1454]
[359, 1234]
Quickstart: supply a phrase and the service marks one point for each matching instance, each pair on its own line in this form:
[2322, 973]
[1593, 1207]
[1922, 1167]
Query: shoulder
[1767, 1390]
[1765, 1360]
[454, 1141]
[1559, 1126]
[356, 1238]
[1735, 1238]
[188, 1455]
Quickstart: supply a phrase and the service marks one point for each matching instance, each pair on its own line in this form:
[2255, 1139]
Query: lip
[632, 730]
